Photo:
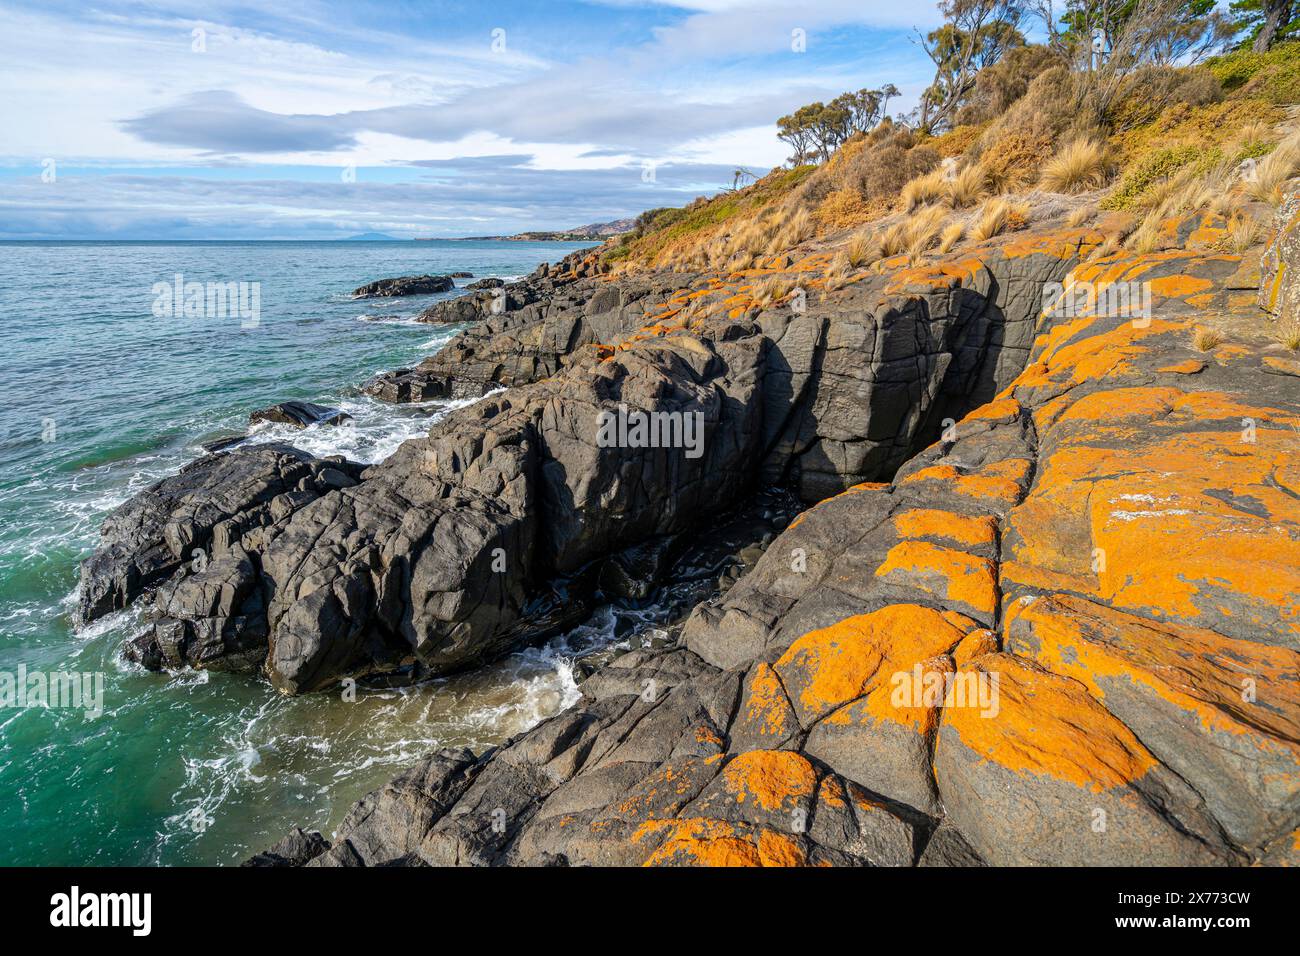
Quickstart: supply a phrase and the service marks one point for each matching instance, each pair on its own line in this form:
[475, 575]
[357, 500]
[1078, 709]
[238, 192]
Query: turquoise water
[100, 398]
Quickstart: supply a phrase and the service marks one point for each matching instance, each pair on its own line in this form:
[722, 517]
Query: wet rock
[404, 285]
[184, 520]
[299, 414]
[297, 849]
[389, 824]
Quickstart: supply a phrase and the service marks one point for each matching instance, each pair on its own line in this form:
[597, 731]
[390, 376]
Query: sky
[322, 120]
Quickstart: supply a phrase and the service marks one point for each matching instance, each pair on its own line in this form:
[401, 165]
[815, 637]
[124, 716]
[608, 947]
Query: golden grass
[838, 272]
[771, 290]
[1206, 340]
[1080, 215]
[1111, 245]
[951, 235]
[1243, 232]
[923, 231]
[922, 190]
[1275, 169]
[1290, 337]
[862, 249]
[1252, 135]
[740, 262]
[966, 187]
[1078, 166]
[998, 216]
[1144, 238]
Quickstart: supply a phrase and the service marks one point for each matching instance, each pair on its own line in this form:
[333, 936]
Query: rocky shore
[1086, 523]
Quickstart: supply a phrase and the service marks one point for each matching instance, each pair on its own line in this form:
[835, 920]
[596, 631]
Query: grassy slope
[1201, 118]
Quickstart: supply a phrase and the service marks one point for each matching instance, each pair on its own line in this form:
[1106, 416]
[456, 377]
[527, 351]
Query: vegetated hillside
[1033, 140]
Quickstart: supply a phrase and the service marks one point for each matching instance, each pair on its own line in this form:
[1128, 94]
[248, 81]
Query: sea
[105, 390]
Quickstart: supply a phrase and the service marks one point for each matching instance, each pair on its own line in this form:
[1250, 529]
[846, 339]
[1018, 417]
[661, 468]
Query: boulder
[299, 415]
[404, 285]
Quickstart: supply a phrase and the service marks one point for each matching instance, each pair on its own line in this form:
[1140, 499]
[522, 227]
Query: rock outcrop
[1064, 633]
[1279, 288]
[404, 285]
[299, 414]
[1042, 611]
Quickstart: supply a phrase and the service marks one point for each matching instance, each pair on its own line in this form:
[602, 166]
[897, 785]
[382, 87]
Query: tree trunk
[1277, 14]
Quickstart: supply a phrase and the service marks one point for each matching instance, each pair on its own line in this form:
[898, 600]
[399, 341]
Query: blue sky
[322, 120]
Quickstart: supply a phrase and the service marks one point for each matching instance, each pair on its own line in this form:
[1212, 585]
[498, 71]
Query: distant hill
[594, 231]
[372, 237]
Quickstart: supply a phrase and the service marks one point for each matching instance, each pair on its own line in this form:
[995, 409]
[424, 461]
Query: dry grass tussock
[1206, 340]
[1078, 166]
[772, 290]
[862, 249]
[951, 235]
[913, 234]
[1265, 183]
[998, 216]
[1080, 215]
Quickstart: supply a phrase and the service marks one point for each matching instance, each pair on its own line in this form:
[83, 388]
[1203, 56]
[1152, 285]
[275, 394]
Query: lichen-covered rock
[1043, 610]
[1279, 281]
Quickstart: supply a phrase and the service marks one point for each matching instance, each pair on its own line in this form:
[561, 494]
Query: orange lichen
[766, 707]
[1001, 481]
[933, 523]
[836, 664]
[771, 780]
[973, 645]
[1003, 409]
[949, 574]
[780, 849]
[1049, 726]
[1189, 367]
[1163, 500]
[1179, 286]
[698, 842]
[1195, 669]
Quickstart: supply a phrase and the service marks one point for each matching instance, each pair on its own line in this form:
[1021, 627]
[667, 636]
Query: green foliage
[1154, 168]
[816, 130]
[1273, 76]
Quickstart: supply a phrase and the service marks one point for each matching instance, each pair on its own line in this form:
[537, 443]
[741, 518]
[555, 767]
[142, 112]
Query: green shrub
[1156, 167]
[1273, 76]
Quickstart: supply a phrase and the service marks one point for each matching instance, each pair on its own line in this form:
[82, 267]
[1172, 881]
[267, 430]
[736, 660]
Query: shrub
[843, 207]
[1273, 76]
[1151, 90]
[1161, 165]
[1000, 85]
